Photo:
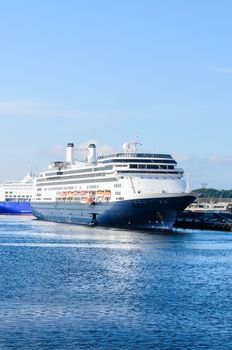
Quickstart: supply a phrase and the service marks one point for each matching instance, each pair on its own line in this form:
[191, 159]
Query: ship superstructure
[127, 189]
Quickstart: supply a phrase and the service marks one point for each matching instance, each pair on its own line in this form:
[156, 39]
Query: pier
[204, 220]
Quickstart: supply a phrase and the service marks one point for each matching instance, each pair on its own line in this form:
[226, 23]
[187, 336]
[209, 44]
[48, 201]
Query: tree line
[212, 193]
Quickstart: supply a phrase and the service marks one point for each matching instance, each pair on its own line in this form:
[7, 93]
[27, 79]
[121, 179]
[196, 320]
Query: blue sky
[97, 70]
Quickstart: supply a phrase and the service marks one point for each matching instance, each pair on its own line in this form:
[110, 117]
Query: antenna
[204, 184]
[132, 145]
[187, 181]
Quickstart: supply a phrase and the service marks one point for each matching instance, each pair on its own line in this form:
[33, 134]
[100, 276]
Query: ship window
[83, 181]
[152, 166]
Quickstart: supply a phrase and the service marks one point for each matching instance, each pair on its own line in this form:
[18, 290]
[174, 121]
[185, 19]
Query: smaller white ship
[205, 206]
[15, 196]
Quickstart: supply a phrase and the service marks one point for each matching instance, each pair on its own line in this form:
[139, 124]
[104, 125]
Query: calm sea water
[70, 287]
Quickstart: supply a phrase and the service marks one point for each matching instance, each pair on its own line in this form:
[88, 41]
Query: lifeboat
[87, 200]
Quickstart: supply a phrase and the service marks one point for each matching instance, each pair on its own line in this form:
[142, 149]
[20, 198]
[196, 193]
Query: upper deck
[134, 155]
[122, 163]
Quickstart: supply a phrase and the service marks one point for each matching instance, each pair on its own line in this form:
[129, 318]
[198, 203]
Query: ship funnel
[69, 153]
[91, 153]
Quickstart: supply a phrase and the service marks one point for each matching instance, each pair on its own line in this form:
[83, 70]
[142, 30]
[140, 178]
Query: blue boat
[15, 208]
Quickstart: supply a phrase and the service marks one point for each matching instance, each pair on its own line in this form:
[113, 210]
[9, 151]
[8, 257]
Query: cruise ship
[15, 196]
[123, 190]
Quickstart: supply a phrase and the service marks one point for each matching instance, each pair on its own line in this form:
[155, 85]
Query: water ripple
[67, 287]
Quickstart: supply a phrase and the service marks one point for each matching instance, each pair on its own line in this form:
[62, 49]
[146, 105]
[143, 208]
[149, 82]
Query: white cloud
[221, 69]
[203, 160]
[58, 151]
[181, 157]
[101, 147]
[225, 159]
[40, 108]
[34, 108]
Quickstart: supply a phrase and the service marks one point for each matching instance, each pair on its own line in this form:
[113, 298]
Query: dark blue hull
[149, 213]
[15, 208]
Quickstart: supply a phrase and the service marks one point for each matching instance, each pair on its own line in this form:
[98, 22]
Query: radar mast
[131, 146]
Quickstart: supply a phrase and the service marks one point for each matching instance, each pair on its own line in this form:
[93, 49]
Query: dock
[207, 220]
